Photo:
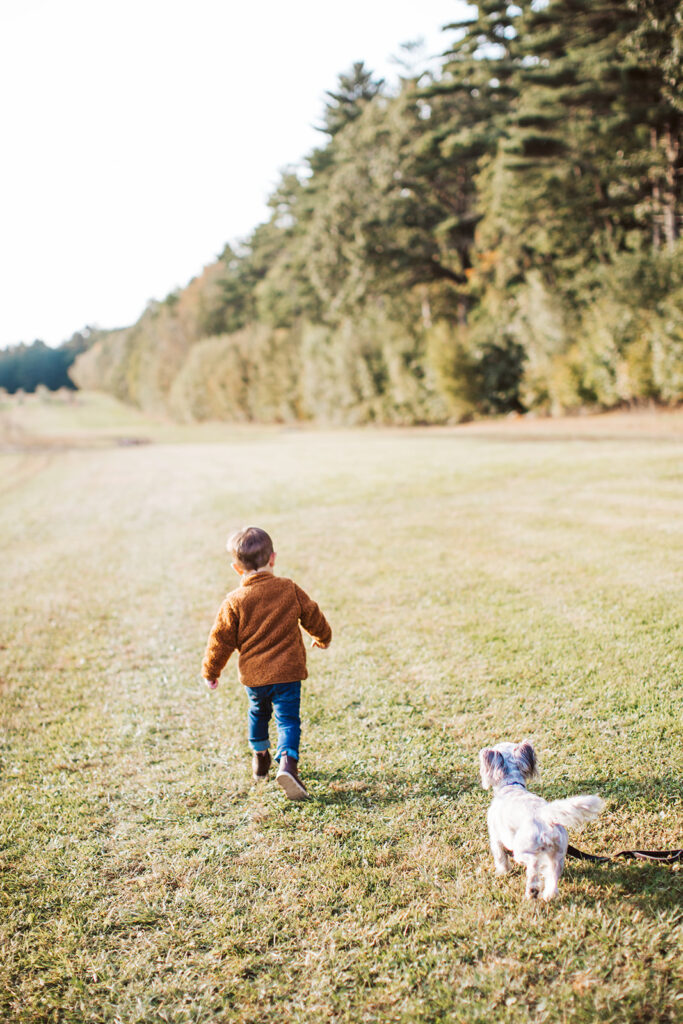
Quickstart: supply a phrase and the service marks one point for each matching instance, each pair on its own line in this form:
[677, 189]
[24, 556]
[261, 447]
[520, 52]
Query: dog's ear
[526, 759]
[491, 767]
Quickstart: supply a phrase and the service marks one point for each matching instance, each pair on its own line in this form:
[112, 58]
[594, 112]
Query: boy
[260, 619]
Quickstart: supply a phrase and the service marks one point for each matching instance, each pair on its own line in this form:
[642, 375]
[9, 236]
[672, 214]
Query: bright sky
[139, 136]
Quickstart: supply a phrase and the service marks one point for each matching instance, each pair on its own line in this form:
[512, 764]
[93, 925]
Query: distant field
[487, 582]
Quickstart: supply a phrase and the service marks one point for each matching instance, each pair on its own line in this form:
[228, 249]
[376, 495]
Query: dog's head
[507, 762]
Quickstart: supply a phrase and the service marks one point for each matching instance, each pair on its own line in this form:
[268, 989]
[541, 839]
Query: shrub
[248, 375]
[630, 342]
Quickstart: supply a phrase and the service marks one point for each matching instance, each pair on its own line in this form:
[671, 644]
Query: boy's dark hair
[251, 547]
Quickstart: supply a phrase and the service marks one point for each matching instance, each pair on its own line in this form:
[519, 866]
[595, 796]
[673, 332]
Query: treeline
[501, 234]
[27, 367]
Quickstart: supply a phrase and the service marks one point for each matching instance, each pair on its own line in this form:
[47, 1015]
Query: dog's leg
[533, 878]
[551, 882]
[500, 853]
[554, 865]
[500, 856]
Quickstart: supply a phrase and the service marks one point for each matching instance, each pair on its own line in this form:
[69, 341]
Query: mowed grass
[480, 588]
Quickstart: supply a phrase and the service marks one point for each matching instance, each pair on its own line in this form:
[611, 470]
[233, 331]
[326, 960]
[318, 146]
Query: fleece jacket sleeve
[221, 643]
[312, 619]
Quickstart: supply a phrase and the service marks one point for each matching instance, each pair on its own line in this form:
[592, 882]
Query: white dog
[525, 826]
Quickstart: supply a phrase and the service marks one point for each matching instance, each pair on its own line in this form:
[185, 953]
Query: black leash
[655, 856]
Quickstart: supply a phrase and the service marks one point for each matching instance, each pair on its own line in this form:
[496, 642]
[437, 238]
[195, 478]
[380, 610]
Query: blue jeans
[284, 699]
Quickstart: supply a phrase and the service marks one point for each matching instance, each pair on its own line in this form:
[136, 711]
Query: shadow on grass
[389, 787]
[621, 788]
[646, 886]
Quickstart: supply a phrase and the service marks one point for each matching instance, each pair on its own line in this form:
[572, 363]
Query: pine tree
[593, 138]
[655, 44]
[355, 88]
[471, 99]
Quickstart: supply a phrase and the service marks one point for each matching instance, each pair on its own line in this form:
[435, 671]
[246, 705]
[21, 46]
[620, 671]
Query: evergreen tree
[26, 367]
[501, 235]
[591, 125]
[655, 45]
[355, 88]
[470, 101]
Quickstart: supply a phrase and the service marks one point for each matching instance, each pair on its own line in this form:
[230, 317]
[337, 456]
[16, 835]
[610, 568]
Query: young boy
[260, 619]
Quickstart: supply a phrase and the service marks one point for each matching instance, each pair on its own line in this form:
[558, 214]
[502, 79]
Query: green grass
[480, 588]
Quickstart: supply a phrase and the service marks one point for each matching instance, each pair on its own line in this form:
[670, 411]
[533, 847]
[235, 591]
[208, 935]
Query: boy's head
[251, 549]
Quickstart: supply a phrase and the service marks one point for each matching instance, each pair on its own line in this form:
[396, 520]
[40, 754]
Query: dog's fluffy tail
[573, 812]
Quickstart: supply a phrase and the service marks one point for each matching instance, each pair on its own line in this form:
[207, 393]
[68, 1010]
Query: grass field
[483, 583]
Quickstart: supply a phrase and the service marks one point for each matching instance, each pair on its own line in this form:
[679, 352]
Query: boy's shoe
[260, 763]
[288, 778]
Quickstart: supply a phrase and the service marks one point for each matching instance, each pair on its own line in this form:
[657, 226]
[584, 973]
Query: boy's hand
[317, 643]
[211, 683]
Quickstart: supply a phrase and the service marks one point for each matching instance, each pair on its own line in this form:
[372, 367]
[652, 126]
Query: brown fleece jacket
[261, 620]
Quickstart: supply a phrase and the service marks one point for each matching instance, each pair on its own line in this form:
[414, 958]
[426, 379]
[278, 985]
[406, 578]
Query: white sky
[139, 136]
